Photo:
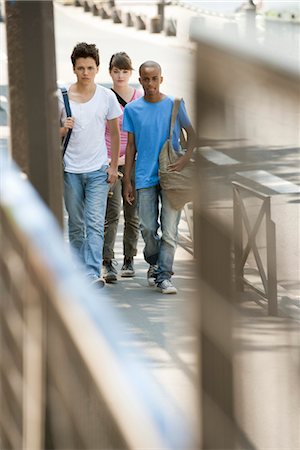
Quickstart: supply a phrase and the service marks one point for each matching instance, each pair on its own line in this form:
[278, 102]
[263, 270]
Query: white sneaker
[151, 275]
[166, 287]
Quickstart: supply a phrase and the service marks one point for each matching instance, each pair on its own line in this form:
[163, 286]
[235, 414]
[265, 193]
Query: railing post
[238, 240]
[271, 261]
[269, 279]
[34, 121]
[218, 426]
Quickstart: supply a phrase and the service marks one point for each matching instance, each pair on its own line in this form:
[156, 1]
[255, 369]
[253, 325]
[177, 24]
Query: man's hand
[112, 175]
[128, 192]
[69, 123]
[179, 164]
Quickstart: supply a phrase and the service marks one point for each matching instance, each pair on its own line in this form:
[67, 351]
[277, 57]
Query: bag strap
[175, 110]
[69, 114]
[120, 99]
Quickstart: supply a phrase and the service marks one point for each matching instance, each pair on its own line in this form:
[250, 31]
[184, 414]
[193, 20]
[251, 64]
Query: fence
[66, 378]
[241, 250]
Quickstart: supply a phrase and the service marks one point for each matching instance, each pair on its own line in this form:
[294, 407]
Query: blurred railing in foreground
[247, 97]
[66, 380]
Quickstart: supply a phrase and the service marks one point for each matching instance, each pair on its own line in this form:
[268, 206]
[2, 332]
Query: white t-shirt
[86, 151]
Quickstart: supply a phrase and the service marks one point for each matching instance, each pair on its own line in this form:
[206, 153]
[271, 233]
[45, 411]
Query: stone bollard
[103, 14]
[128, 20]
[155, 24]
[170, 28]
[95, 10]
[86, 7]
[139, 23]
[116, 18]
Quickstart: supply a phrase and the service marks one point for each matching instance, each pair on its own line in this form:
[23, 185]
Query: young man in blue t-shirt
[147, 121]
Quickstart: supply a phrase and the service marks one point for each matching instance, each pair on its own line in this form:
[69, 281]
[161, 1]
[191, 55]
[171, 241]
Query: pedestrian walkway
[160, 323]
[265, 370]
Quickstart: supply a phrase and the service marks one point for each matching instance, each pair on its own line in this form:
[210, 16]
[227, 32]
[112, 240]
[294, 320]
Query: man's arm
[129, 161]
[112, 170]
[182, 161]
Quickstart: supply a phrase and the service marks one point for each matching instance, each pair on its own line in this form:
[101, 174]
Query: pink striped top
[123, 134]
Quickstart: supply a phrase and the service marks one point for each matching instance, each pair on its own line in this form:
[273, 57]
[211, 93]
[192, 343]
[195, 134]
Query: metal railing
[66, 378]
[242, 249]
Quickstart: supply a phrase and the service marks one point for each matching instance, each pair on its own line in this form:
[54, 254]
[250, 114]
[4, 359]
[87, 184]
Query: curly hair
[84, 50]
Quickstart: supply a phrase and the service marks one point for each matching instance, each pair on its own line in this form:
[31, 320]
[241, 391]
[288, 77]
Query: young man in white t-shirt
[87, 174]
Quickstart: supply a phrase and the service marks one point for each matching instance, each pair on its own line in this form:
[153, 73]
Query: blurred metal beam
[33, 104]
[215, 333]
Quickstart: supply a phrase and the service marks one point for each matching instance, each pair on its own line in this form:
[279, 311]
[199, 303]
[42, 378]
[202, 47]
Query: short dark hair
[84, 50]
[149, 64]
[121, 61]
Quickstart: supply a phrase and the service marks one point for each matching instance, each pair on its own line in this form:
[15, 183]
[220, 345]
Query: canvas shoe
[127, 268]
[166, 287]
[109, 271]
[151, 275]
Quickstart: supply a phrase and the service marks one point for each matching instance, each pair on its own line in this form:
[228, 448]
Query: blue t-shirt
[150, 124]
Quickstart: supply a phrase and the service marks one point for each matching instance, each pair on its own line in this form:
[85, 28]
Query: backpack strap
[69, 114]
[120, 99]
[175, 110]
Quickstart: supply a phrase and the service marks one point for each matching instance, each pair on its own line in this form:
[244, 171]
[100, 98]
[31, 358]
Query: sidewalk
[160, 323]
[266, 350]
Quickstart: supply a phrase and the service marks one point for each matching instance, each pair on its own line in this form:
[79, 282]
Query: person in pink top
[120, 69]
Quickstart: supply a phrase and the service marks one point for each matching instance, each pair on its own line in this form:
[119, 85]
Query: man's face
[151, 79]
[85, 69]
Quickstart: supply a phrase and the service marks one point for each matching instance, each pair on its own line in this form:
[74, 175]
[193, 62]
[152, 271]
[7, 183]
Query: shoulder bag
[178, 185]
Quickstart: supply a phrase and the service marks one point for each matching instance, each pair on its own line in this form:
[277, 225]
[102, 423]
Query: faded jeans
[131, 221]
[154, 207]
[85, 199]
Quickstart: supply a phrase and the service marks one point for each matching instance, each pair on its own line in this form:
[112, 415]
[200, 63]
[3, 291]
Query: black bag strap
[69, 114]
[120, 99]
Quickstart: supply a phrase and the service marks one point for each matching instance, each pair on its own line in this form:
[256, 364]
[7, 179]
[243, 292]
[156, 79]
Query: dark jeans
[131, 221]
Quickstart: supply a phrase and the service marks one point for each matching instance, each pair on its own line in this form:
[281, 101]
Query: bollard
[95, 10]
[86, 7]
[170, 28]
[103, 14]
[155, 24]
[115, 16]
[128, 20]
[139, 23]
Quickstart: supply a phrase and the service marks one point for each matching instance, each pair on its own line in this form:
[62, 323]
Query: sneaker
[109, 271]
[151, 275]
[127, 268]
[98, 282]
[166, 287]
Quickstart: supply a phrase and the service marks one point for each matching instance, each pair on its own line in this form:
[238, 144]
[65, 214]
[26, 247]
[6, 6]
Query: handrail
[242, 251]
[62, 362]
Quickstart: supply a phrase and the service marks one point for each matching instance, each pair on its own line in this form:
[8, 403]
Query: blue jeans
[85, 199]
[153, 206]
